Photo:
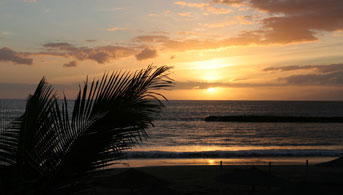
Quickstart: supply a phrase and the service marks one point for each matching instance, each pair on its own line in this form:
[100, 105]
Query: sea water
[182, 133]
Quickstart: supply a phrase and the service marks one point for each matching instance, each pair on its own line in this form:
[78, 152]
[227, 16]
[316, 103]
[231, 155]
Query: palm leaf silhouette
[46, 145]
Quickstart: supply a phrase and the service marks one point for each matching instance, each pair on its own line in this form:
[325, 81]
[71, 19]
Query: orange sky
[241, 49]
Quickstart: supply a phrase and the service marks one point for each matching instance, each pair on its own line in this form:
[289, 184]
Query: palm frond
[115, 119]
[109, 115]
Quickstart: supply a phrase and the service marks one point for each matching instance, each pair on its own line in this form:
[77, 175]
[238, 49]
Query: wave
[232, 154]
[275, 119]
[181, 119]
[258, 118]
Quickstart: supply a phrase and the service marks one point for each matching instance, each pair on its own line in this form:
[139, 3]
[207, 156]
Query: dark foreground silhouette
[47, 151]
[243, 180]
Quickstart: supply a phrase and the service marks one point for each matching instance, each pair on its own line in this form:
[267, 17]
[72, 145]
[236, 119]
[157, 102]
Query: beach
[297, 179]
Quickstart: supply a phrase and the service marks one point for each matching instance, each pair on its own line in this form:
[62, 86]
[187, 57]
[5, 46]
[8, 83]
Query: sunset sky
[220, 49]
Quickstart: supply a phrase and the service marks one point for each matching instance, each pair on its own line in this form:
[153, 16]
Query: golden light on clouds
[211, 76]
[210, 64]
[219, 49]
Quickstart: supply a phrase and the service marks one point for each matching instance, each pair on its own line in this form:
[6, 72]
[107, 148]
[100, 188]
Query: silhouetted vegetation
[47, 151]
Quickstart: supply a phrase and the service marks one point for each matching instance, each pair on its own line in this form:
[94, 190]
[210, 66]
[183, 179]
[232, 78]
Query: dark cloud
[333, 79]
[151, 38]
[60, 46]
[297, 21]
[320, 75]
[188, 44]
[101, 54]
[318, 68]
[8, 55]
[146, 54]
[206, 85]
[73, 63]
[331, 74]
[91, 40]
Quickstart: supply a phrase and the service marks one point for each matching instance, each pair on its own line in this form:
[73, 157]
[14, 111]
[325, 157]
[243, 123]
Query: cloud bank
[287, 21]
[146, 54]
[293, 21]
[73, 63]
[331, 74]
[99, 54]
[207, 7]
[8, 55]
[318, 75]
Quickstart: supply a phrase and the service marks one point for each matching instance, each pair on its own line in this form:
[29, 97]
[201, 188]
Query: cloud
[164, 13]
[293, 21]
[221, 24]
[151, 38]
[206, 85]
[185, 14]
[197, 5]
[244, 19]
[73, 63]
[60, 46]
[321, 75]
[288, 21]
[8, 55]
[333, 79]
[182, 45]
[331, 74]
[204, 6]
[216, 10]
[231, 2]
[160, 32]
[146, 54]
[236, 20]
[91, 40]
[116, 29]
[318, 68]
[100, 54]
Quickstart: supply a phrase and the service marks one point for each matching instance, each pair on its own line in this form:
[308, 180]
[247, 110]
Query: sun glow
[210, 64]
[210, 89]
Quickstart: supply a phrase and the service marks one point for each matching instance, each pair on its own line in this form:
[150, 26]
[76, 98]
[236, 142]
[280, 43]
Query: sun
[211, 162]
[210, 89]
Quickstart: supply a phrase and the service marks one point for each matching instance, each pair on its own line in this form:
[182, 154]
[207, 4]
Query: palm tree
[46, 149]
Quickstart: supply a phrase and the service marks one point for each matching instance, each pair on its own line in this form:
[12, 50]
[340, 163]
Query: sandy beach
[295, 179]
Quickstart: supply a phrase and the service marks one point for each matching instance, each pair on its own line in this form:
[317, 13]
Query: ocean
[182, 136]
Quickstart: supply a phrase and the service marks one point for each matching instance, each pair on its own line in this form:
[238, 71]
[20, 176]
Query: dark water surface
[181, 132]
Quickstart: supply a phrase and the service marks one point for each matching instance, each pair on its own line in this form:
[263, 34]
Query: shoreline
[259, 161]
